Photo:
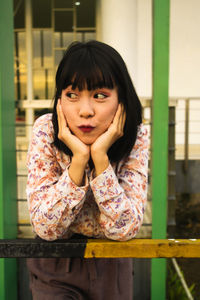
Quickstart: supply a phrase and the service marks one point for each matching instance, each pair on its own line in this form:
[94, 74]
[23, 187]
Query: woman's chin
[88, 140]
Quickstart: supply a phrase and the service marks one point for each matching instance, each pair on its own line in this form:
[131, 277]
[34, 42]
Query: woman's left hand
[100, 147]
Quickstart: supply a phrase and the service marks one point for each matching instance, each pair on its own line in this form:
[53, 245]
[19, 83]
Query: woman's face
[89, 113]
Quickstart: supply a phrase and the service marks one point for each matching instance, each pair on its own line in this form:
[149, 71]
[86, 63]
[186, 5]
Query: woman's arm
[121, 198]
[100, 147]
[81, 152]
[54, 199]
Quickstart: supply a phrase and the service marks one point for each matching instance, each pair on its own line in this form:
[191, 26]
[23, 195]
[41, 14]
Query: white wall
[144, 48]
[184, 80]
[185, 48]
[117, 26]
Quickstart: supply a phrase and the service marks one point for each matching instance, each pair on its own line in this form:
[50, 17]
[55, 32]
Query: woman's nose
[86, 109]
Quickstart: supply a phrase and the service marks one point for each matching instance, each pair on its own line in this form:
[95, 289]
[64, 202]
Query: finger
[62, 123]
[58, 113]
[117, 115]
[123, 120]
[117, 119]
[123, 117]
[120, 121]
[59, 109]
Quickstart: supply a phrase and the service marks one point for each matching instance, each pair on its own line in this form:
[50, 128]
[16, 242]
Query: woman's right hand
[78, 148]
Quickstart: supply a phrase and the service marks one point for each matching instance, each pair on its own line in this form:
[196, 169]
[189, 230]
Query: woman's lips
[86, 128]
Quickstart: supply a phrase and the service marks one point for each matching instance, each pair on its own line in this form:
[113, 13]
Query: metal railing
[88, 248]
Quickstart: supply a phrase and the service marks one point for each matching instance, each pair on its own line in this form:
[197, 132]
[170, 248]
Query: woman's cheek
[108, 123]
[68, 119]
[111, 116]
[70, 122]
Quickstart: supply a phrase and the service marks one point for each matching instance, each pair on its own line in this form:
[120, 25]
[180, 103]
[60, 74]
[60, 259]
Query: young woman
[87, 173]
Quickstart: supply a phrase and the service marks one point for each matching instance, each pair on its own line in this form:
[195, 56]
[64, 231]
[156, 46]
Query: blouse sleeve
[53, 199]
[121, 198]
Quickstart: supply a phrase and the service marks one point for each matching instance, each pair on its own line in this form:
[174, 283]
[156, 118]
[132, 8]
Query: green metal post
[8, 209]
[159, 167]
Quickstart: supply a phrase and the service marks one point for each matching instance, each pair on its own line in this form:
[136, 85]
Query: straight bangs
[86, 70]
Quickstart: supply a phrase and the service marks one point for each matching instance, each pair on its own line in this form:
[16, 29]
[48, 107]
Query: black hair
[95, 65]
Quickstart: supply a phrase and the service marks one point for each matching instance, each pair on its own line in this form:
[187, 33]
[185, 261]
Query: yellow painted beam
[143, 248]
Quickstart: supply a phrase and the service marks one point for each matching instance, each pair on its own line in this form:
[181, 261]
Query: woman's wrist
[101, 162]
[80, 159]
[77, 169]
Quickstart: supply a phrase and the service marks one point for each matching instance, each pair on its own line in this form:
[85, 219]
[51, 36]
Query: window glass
[63, 21]
[58, 57]
[22, 49]
[90, 35]
[86, 13]
[20, 66]
[63, 3]
[19, 14]
[50, 85]
[41, 13]
[43, 82]
[39, 84]
[79, 36]
[47, 40]
[67, 38]
[36, 48]
[23, 84]
[57, 39]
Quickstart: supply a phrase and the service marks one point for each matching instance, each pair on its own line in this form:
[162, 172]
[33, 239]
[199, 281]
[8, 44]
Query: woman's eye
[100, 96]
[71, 95]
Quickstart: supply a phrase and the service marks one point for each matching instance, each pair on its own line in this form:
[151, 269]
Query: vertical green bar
[160, 140]
[8, 209]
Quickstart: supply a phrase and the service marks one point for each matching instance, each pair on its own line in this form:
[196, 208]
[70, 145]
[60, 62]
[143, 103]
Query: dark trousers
[81, 279]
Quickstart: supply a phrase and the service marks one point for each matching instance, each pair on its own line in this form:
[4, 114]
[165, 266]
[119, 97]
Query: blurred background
[42, 32]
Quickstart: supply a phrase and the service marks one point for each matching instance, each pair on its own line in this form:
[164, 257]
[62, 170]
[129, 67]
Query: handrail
[88, 248]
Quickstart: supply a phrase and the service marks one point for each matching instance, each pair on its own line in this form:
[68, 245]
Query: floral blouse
[110, 205]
